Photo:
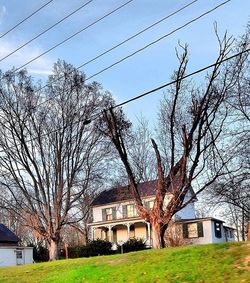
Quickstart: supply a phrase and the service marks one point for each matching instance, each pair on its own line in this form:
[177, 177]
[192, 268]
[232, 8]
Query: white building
[115, 219]
[11, 253]
[207, 230]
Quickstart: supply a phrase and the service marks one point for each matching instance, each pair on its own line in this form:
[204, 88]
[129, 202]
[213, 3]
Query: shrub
[40, 252]
[133, 245]
[97, 247]
[174, 235]
[75, 252]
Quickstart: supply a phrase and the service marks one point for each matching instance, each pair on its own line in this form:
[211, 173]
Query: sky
[144, 71]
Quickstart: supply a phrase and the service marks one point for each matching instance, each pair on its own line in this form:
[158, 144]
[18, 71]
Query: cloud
[40, 72]
[42, 65]
[3, 12]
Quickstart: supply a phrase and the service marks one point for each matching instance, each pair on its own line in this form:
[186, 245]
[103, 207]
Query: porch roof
[129, 220]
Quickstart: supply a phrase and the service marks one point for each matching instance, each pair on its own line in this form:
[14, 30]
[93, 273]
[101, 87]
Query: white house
[114, 218]
[207, 230]
[11, 253]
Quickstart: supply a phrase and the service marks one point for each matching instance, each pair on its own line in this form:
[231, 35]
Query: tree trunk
[66, 250]
[158, 232]
[248, 230]
[53, 249]
[243, 227]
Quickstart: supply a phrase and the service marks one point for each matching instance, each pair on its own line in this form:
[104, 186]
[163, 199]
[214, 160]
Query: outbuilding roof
[7, 236]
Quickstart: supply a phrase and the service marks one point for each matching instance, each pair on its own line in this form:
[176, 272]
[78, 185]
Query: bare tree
[141, 152]
[50, 155]
[193, 135]
[235, 192]
[235, 188]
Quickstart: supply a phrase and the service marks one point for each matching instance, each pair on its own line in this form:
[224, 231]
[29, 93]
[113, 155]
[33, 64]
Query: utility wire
[154, 42]
[90, 119]
[184, 77]
[25, 19]
[46, 30]
[112, 48]
[134, 53]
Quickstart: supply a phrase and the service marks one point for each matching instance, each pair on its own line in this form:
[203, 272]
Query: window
[19, 254]
[231, 234]
[192, 230]
[149, 204]
[217, 229]
[109, 214]
[129, 211]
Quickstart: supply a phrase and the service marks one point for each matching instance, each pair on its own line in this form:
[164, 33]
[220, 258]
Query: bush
[97, 247]
[133, 245]
[75, 252]
[40, 252]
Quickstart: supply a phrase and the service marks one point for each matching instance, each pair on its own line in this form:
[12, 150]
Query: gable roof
[122, 193]
[118, 194]
[7, 236]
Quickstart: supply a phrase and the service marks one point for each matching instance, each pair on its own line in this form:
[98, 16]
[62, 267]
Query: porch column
[110, 235]
[128, 230]
[149, 233]
[92, 233]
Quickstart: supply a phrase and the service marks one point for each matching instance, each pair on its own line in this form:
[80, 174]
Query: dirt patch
[115, 261]
[246, 263]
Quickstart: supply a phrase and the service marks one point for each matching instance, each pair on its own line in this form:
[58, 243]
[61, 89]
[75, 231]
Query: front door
[19, 257]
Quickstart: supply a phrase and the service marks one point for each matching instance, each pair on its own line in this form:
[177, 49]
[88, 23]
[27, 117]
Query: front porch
[118, 233]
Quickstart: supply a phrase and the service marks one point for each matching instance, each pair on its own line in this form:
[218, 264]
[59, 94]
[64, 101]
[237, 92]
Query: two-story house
[115, 218]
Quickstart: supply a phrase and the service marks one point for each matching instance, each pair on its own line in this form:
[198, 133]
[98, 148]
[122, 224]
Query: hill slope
[210, 264]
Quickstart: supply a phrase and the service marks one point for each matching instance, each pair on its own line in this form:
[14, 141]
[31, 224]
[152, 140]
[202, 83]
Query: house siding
[208, 234]
[122, 234]
[140, 231]
[187, 212]
[8, 255]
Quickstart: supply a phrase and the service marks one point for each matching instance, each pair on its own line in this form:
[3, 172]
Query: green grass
[211, 263]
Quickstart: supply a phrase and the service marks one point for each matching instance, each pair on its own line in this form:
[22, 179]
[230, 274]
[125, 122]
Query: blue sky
[138, 74]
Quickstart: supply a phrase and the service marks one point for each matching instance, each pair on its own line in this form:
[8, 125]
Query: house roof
[122, 193]
[7, 236]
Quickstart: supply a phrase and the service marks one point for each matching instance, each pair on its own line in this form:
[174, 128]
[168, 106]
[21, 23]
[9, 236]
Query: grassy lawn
[211, 263]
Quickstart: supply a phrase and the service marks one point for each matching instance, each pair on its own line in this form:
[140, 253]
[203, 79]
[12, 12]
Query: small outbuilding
[11, 253]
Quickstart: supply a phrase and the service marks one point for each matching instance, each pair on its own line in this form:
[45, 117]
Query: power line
[134, 53]
[46, 30]
[112, 48]
[25, 19]
[184, 77]
[70, 37]
[90, 119]
[155, 41]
